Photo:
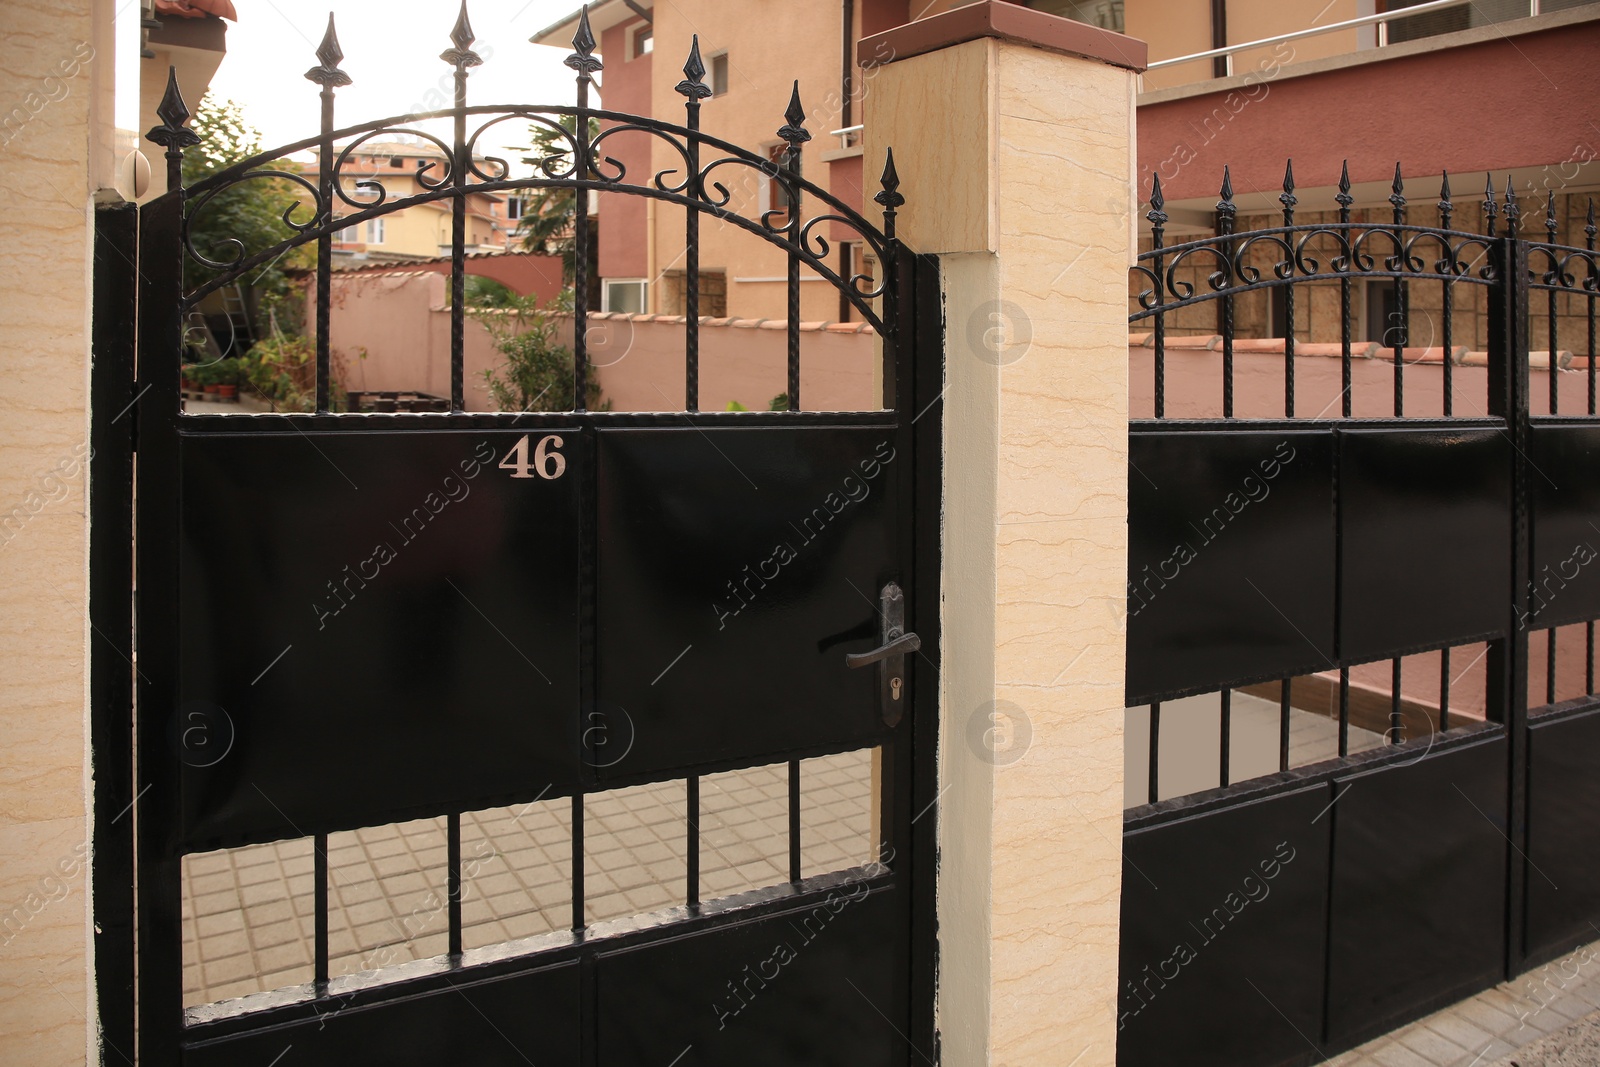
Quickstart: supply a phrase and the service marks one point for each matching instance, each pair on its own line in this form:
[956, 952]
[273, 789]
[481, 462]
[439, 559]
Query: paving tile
[1395, 1054]
[1459, 1030]
[1430, 1046]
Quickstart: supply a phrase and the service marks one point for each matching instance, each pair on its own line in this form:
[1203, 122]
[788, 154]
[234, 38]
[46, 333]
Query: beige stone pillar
[54, 150]
[1012, 133]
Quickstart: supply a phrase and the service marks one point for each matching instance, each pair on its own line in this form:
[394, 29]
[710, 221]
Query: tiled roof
[196, 9]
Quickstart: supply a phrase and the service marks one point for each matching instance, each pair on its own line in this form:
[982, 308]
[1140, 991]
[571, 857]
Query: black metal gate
[349, 620]
[1315, 522]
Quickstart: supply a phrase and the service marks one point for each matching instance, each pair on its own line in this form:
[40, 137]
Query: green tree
[538, 372]
[548, 215]
[249, 212]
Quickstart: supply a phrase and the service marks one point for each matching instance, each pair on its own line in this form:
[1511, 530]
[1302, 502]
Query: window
[1106, 14]
[397, 161]
[1478, 13]
[349, 235]
[644, 41]
[626, 295]
[513, 207]
[777, 192]
[374, 231]
[719, 74]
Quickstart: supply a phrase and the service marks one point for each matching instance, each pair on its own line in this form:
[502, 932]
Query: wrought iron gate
[348, 620]
[1299, 565]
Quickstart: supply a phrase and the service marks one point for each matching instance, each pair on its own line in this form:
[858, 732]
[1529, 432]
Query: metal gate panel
[490, 1023]
[1418, 907]
[1565, 498]
[1230, 533]
[375, 626]
[1425, 537]
[1563, 836]
[737, 568]
[1210, 905]
[812, 988]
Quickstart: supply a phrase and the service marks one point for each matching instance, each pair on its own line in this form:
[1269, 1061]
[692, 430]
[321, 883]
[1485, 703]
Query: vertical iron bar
[1444, 690]
[794, 132]
[1283, 727]
[1348, 262]
[1288, 199]
[1344, 712]
[1155, 751]
[1402, 312]
[1158, 228]
[453, 863]
[325, 250]
[1588, 670]
[1225, 719]
[458, 251]
[585, 63]
[694, 89]
[1396, 721]
[578, 912]
[319, 890]
[1551, 347]
[1550, 666]
[1225, 216]
[692, 894]
[794, 820]
[1446, 209]
[1589, 231]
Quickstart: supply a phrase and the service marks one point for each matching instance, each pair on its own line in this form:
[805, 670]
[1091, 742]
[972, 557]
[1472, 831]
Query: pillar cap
[1007, 22]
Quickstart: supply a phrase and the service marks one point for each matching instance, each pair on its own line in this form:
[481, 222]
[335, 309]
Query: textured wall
[48, 84]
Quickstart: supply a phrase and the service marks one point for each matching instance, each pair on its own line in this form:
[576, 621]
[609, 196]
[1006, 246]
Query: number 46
[546, 462]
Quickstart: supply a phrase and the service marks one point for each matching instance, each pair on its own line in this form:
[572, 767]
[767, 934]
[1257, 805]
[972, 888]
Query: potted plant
[227, 379]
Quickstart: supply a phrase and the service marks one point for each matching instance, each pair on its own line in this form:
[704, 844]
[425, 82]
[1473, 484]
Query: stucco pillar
[55, 84]
[1012, 134]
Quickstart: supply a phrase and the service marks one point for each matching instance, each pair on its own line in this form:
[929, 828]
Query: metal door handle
[890, 656]
[899, 646]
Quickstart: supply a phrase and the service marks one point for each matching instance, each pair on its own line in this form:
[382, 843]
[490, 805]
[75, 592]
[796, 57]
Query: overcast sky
[391, 52]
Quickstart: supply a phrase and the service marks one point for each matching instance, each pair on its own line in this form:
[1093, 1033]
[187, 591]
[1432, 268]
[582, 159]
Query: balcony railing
[1380, 20]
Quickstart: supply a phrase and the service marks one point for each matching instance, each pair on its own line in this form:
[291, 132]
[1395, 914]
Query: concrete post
[1012, 132]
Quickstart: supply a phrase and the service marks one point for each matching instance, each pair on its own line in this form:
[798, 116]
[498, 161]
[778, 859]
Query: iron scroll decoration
[1322, 251]
[580, 163]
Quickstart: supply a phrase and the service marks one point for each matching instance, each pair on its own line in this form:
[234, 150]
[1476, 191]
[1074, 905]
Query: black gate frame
[140, 309]
[1394, 813]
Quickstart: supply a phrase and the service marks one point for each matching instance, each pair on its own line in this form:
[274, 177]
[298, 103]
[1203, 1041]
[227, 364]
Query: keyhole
[894, 689]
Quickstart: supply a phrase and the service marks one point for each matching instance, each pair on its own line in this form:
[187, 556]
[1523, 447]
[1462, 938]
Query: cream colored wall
[45, 255]
[1253, 20]
[1171, 28]
[992, 137]
[763, 64]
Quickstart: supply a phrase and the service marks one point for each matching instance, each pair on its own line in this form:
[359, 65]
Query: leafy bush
[538, 372]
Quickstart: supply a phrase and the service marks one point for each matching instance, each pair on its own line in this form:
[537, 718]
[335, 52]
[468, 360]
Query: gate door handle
[890, 656]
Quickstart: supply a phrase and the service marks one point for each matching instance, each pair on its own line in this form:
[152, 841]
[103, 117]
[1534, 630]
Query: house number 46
[546, 461]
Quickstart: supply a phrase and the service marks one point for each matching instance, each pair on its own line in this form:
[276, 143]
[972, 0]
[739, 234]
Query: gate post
[1013, 137]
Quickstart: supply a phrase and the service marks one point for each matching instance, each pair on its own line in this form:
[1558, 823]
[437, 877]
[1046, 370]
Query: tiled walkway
[1514, 1023]
[248, 913]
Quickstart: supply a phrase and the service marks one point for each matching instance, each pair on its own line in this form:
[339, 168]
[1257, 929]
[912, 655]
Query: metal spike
[693, 85]
[583, 59]
[1287, 198]
[327, 73]
[462, 37]
[1446, 206]
[890, 197]
[1550, 223]
[1158, 200]
[1397, 196]
[173, 113]
[794, 130]
[1343, 195]
[1589, 229]
[1226, 206]
[1491, 207]
[1513, 209]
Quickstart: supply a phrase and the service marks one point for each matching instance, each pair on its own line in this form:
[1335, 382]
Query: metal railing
[1381, 20]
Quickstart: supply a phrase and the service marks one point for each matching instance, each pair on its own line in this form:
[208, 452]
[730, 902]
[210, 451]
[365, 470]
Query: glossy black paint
[1563, 835]
[1565, 499]
[1214, 903]
[1425, 538]
[1229, 534]
[808, 989]
[381, 625]
[1418, 891]
[737, 568]
[532, 1017]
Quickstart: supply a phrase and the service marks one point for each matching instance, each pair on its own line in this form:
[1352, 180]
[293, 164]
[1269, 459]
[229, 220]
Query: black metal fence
[1342, 531]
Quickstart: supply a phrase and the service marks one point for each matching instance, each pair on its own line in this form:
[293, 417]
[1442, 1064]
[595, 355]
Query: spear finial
[1397, 195]
[1343, 196]
[794, 130]
[173, 133]
[327, 73]
[693, 86]
[1226, 208]
[462, 37]
[1287, 197]
[583, 58]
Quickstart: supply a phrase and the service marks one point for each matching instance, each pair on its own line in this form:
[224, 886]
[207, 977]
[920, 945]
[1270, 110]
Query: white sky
[391, 52]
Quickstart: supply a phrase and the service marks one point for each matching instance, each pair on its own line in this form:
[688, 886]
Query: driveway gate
[1404, 519]
[349, 620]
